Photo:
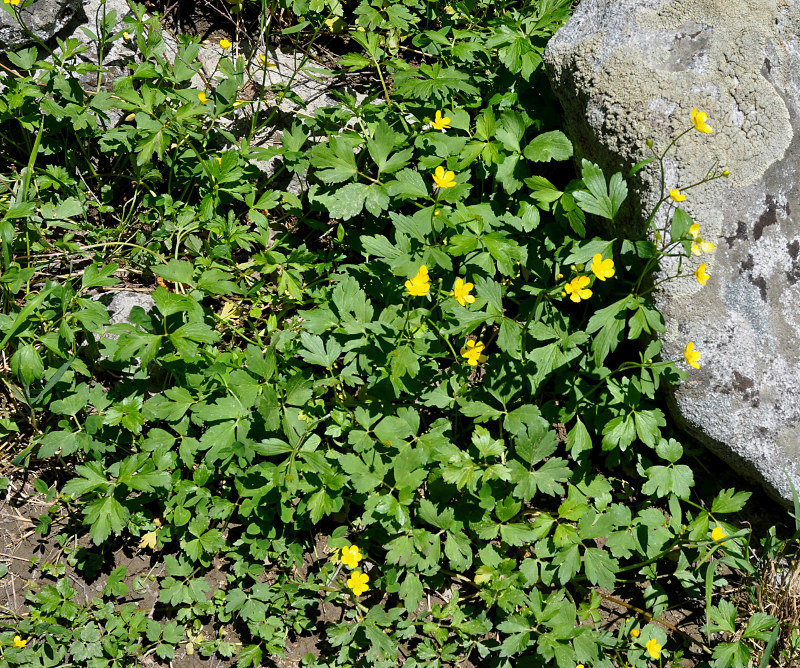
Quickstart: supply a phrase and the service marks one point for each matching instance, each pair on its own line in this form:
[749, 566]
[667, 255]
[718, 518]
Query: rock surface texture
[631, 70]
[45, 19]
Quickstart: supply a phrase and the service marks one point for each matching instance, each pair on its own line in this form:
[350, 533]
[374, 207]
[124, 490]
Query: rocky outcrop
[43, 20]
[627, 71]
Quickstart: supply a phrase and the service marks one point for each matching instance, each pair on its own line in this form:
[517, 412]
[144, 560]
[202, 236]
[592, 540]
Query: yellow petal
[148, 540]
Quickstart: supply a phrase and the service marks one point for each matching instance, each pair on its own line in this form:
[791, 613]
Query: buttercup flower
[351, 555]
[691, 355]
[265, 61]
[126, 35]
[202, 97]
[358, 582]
[473, 353]
[12, 2]
[444, 179]
[440, 122]
[699, 245]
[419, 285]
[676, 195]
[718, 533]
[601, 268]
[635, 633]
[18, 642]
[701, 274]
[653, 648]
[225, 44]
[699, 121]
[577, 290]
[461, 291]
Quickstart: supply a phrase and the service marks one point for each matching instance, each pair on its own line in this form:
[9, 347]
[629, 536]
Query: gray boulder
[627, 71]
[44, 19]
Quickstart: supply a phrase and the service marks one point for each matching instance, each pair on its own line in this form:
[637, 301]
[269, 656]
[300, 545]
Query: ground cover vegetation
[407, 372]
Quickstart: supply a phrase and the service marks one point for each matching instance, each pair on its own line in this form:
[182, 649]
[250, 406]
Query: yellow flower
[676, 195]
[419, 285]
[577, 290]
[699, 121]
[202, 97]
[580, 665]
[635, 633]
[718, 534]
[444, 179]
[691, 355]
[149, 541]
[219, 160]
[706, 246]
[701, 274]
[13, 2]
[601, 268]
[440, 122]
[265, 61]
[358, 582]
[351, 555]
[473, 353]
[126, 35]
[653, 648]
[18, 642]
[335, 24]
[461, 291]
[699, 245]
[225, 44]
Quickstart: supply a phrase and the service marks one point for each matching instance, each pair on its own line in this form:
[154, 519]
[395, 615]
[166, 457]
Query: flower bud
[649, 143]
[727, 172]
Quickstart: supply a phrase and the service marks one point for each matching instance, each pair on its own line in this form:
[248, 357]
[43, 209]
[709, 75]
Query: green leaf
[408, 185]
[362, 478]
[619, 432]
[731, 655]
[27, 364]
[94, 276]
[681, 222]
[758, 625]
[729, 501]
[411, 592]
[546, 479]
[334, 160]
[216, 282]
[104, 516]
[569, 563]
[91, 477]
[549, 146]
[579, 438]
[317, 352]
[648, 423]
[600, 567]
[381, 247]
[600, 200]
[665, 480]
[321, 503]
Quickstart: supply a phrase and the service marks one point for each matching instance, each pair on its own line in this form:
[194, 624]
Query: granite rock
[44, 19]
[627, 71]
